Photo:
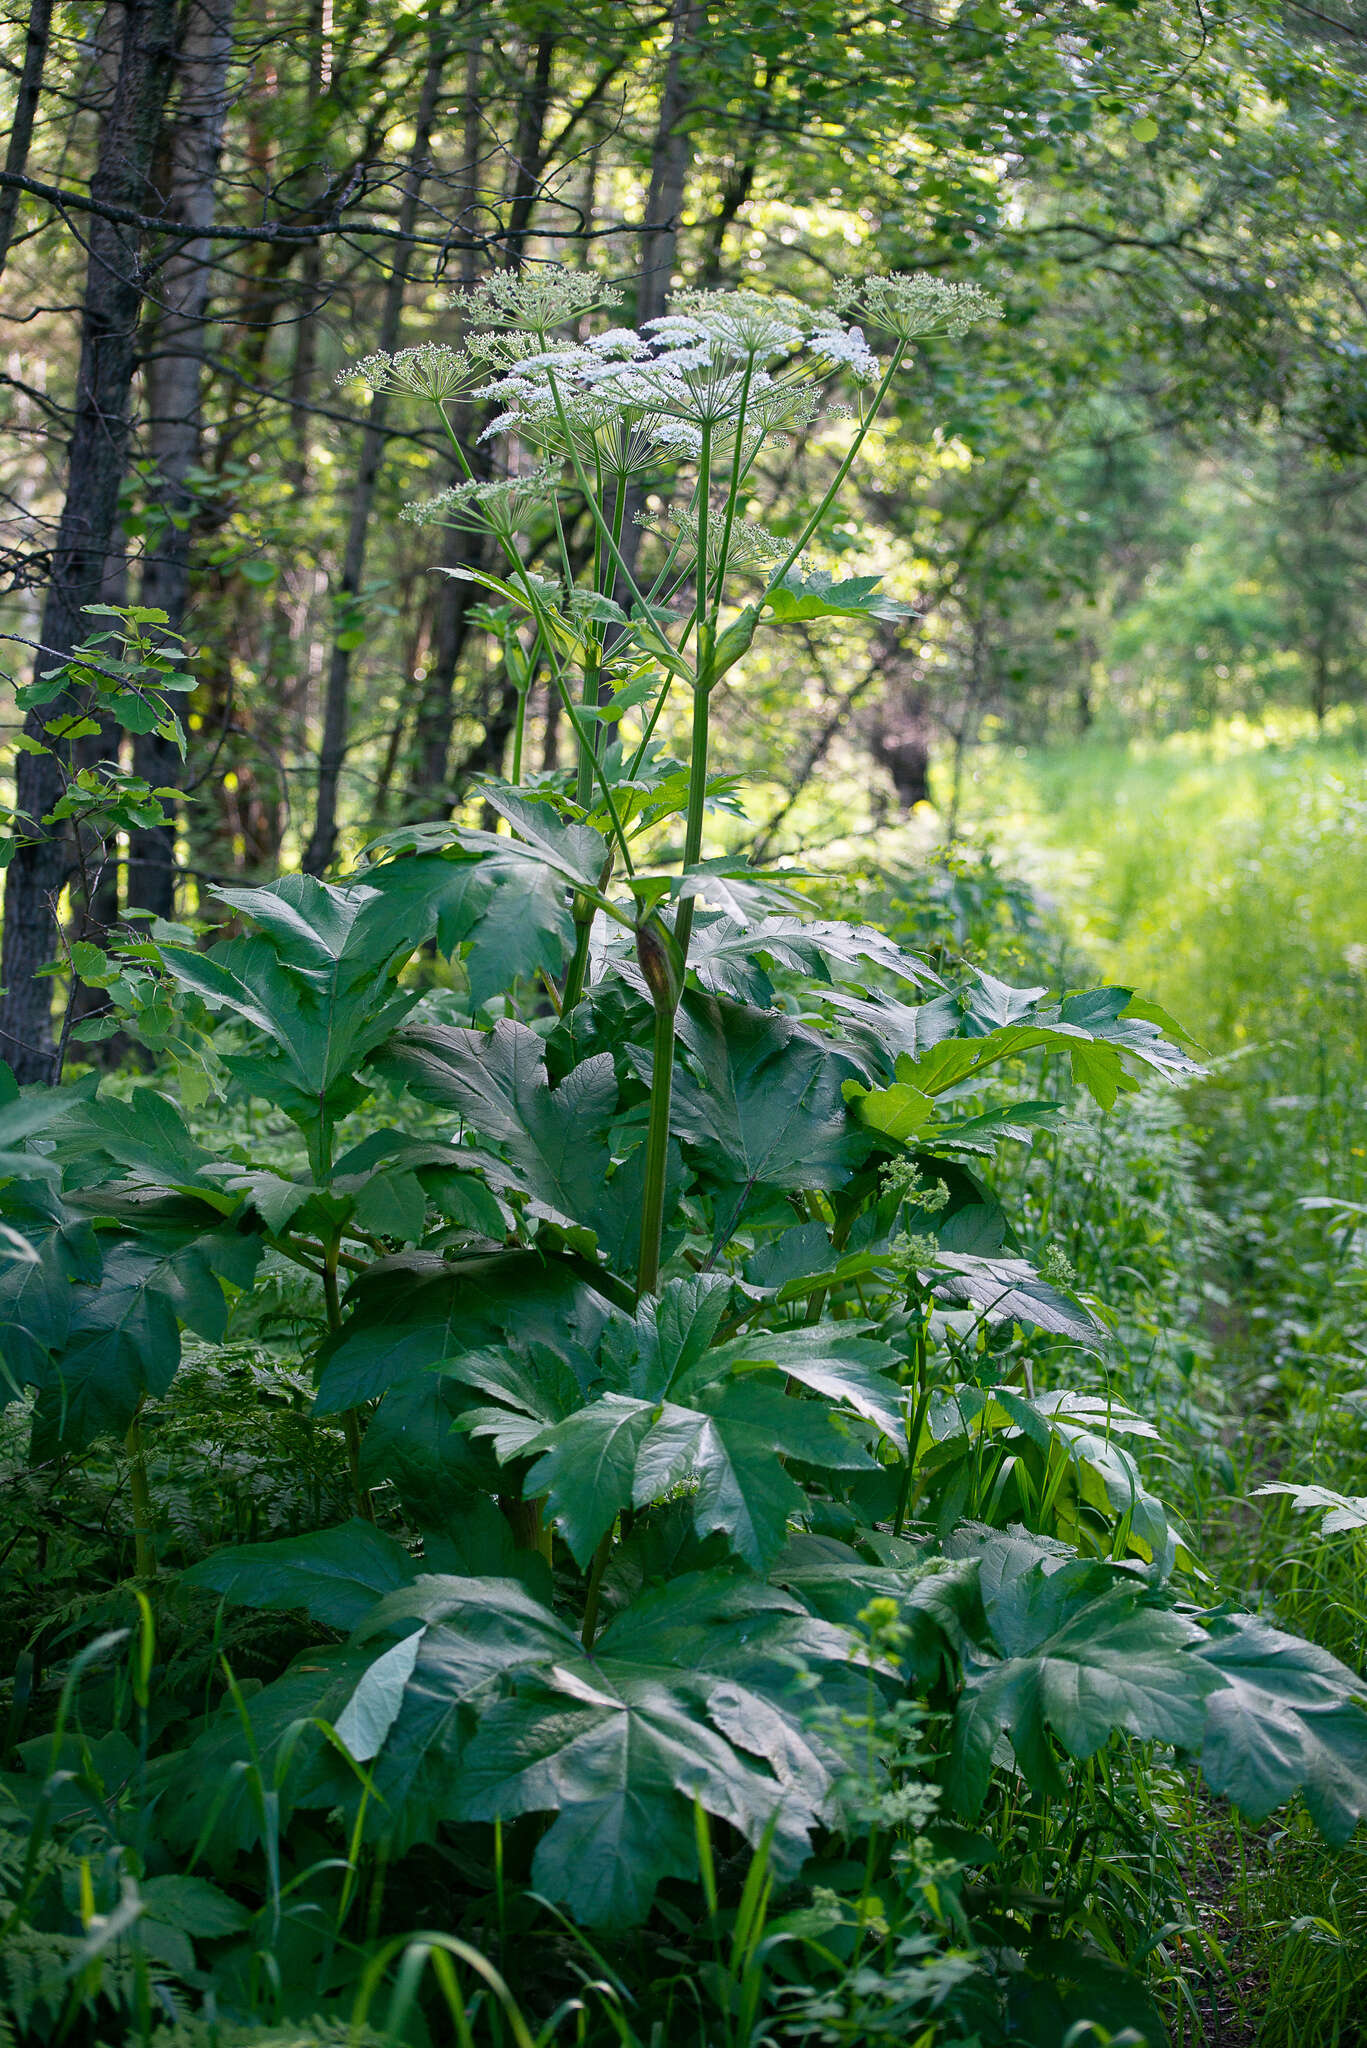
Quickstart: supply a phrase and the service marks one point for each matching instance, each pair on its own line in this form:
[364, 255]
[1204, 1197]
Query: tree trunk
[323, 840]
[173, 372]
[429, 793]
[95, 465]
[669, 160]
[528, 150]
[25, 107]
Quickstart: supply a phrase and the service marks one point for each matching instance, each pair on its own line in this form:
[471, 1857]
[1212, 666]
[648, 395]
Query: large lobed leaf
[468, 1699]
[553, 1141]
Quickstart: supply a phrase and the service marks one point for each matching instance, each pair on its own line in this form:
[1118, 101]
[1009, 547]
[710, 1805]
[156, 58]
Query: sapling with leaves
[668, 1311]
[123, 676]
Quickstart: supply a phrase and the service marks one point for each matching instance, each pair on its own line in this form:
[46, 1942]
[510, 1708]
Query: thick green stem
[706, 627]
[697, 784]
[657, 1149]
[584, 911]
[579, 961]
[588, 699]
[519, 731]
[906, 1493]
[144, 1535]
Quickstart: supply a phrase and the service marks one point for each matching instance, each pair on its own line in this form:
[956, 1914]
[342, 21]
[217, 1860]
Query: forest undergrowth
[1227, 873]
[603, 1458]
[1239, 1320]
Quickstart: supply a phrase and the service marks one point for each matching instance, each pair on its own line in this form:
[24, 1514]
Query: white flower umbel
[537, 302]
[844, 348]
[747, 324]
[432, 370]
[505, 506]
[910, 305]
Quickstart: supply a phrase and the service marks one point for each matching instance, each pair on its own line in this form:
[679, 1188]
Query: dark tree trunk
[173, 373]
[529, 150]
[25, 107]
[95, 465]
[336, 702]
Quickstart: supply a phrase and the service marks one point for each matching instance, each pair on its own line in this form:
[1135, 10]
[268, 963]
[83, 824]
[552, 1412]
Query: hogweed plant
[661, 1301]
[689, 404]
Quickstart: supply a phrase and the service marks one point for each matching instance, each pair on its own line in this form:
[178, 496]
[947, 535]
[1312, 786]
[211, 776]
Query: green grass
[1226, 877]
[1222, 875]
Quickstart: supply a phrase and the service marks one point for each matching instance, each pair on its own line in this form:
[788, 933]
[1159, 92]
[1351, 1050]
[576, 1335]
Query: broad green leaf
[1288, 1718]
[374, 1707]
[192, 1905]
[936, 1597]
[618, 1757]
[990, 1005]
[586, 1467]
[334, 1575]
[509, 906]
[997, 1022]
[1010, 1290]
[767, 1106]
[820, 596]
[412, 1313]
[37, 1294]
[729, 1443]
[275, 1200]
[123, 1339]
[690, 1696]
[35, 1113]
[850, 1371]
[726, 955]
[669, 1335]
[413, 1441]
[554, 1140]
[316, 977]
[508, 910]
[1116, 1661]
[1341, 1511]
[475, 1540]
[577, 851]
[145, 1134]
[729, 1624]
[391, 1203]
[533, 1389]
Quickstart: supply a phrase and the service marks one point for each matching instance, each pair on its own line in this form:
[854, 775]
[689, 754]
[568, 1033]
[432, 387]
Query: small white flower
[847, 349]
[676, 438]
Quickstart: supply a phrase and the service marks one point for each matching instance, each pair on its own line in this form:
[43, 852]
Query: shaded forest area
[683, 1158]
[1138, 501]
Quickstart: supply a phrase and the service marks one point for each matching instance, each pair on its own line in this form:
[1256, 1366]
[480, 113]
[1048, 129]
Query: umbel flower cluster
[705, 385]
